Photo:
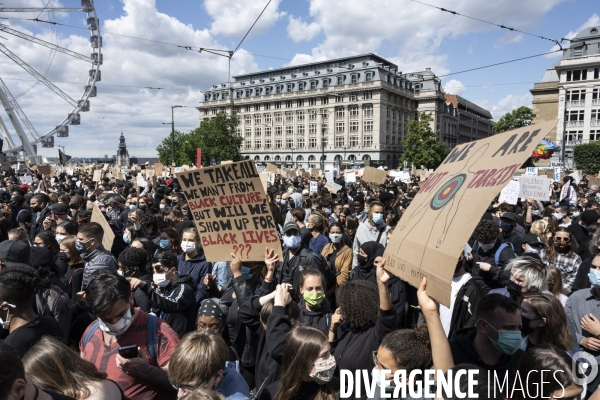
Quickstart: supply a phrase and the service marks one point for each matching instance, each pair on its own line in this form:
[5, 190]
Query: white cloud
[454, 86]
[129, 66]
[506, 104]
[299, 30]
[233, 18]
[594, 20]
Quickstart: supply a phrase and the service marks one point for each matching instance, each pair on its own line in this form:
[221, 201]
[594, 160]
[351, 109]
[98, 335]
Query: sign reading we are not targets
[231, 212]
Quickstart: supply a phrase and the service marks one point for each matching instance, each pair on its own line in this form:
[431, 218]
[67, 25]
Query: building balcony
[574, 123]
[595, 122]
[576, 103]
[596, 102]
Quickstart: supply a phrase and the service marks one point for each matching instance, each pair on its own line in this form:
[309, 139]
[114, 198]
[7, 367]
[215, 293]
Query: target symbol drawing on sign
[447, 192]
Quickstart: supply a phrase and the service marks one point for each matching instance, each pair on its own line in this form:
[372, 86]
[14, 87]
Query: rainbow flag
[545, 149]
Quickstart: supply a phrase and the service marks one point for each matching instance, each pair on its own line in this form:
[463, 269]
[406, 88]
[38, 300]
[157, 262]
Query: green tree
[421, 146]
[517, 118]
[587, 157]
[164, 149]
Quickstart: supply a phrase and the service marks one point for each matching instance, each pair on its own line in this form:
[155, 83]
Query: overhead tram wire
[489, 23]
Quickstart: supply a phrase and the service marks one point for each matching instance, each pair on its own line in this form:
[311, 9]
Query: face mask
[508, 341]
[379, 380]
[526, 329]
[142, 207]
[558, 216]
[283, 202]
[132, 206]
[62, 256]
[532, 250]
[164, 244]
[487, 247]
[594, 277]
[377, 218]
[328, 212]
[278, 201]
[188, 247]
[120, 272]
[365, 192]
[161, 206]
[60, 238]
[514, 289]
[120, 327]
[584, 226]
[126, 238]
[247, 273]
[292, 242]
[506, 227]
[561, 246]
[325, 370]
[361, 260]
[551, 287]
[79, 246]
[36, 209]
[335, 237]
[313, 299]
[158, 278]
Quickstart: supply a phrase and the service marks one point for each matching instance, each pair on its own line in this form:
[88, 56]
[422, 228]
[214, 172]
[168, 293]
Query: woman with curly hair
[363, 318]
[51, 365]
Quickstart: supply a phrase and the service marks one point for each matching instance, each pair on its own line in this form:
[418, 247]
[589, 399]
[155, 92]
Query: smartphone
[129, 351]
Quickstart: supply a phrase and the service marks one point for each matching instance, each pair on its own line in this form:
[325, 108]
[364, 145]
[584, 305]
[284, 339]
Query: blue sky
[410, 34]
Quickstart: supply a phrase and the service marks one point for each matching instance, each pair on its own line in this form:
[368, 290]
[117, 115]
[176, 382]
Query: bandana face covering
[325, 370]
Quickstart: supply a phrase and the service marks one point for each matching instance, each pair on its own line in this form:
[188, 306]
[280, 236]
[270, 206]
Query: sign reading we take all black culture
[231, 211]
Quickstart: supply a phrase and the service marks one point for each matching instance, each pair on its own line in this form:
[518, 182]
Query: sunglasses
[187, 389]
[562, 239]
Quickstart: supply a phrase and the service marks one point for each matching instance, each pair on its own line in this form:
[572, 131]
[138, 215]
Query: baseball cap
[14, 253]
[533, 240]
[589, 217]
[290, 226]
[510, 216]
[59, 208]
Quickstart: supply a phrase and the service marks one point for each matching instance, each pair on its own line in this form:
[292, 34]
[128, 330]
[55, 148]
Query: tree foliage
[517, 118]
[216, 137]
[587, 157]
[421, 146]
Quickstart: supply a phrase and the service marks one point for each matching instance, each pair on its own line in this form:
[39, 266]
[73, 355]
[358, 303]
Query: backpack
[502, 247]
[151, 342]
[52, 301]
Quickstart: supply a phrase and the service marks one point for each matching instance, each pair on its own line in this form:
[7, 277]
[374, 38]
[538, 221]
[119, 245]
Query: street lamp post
[323, 139]
[292, 148]
[564, 133]
[173, 164]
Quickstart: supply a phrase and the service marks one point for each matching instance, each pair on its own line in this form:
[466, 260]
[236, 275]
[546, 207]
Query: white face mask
[188, 247]
[120, 327]
[60, 238]
[120, 272]
[158, 278]
[558, 215]
[325, 370]
[335, 237]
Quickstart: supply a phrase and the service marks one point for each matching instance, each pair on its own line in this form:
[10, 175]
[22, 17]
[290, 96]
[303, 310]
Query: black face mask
[361, 260]
[513, 289]
[526, 329]
[36, 209]
[550, 287]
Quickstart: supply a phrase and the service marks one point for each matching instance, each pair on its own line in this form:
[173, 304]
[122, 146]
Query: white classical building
[348, 111]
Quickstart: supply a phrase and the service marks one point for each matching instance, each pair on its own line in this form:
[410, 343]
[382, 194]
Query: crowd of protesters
[151, 318]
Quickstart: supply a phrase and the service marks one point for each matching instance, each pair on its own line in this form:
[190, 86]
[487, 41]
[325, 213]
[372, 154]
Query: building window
[595, 114]
[289, 116]
[278, 117]
[268, 90]
[367, 95]
[288, 104]
[268, 118]
[353, 111]
[339, 127]
[325, 83]
[339, 141]
[247, 109]
[278, 89]
[368, 125]
[353, 126]
[313, 84]
[312, 101]
[300, 115]
[577, 75]
[369, 76]
[238, 132]
[258, 92]
[267, 131]
[312, 114]
[595, 135]
[267, 144]
[257, 144]
[578, 51]
[257, 119]
[257, 107]
[312, 143]
[353, 141]
[257, 132]
[339, 112]
[278, 143]
[290, 87]
[324, 113]
[248, 145]
[248, 92]
[277, 105]
[340, 80]
[299, 103]
[595, 94]
[596, 73]
[300, 143]
[267, 106]
[339, 98]
[312, 129]
[354, 78]
[367, 141]
[278, 130]
[368, 111]
[324, 127]
[352, 97]
[248, 132]
[289, 143]
[289, 130]
[325, 100]
[300, 129]
[576, 95]
[301, 85]
[238, 94]
[577, 115]
[247, 119]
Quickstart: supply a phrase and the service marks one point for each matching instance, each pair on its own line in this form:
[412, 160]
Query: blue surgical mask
[132, 206]
[377, 218]
[594, 277]
[328, 212]
[126, 238]
[246, 273]
[377, 375]
[292, 242]
[79, 247]
[508, 341]
[164, 244]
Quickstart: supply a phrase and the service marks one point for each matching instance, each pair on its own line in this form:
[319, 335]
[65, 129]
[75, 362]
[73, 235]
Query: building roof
[463, 104]
[551, 75]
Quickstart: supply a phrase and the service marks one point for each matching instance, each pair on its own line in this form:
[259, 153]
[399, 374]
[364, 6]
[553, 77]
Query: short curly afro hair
[18, 283]
[359, 301]
[486, 231]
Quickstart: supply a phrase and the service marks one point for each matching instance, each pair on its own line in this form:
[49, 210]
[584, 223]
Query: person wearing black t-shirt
[23, 327]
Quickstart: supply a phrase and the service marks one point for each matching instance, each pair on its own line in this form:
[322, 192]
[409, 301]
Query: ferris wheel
[24, 147]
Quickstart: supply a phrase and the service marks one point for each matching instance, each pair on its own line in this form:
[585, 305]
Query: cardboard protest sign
[329, 175]
[97, 175]
[124, 170]
[314, 172]
[231, 212]
[536, 187]
[158, 167]
[264, 179]
[140, 181]
[26, 179]
[510, 193]
[271, 178]
[109, 235]
[271, 168]
[6, 165]
[314, 187]
[350, 176]
[374, 175]
[226, 162]
[45, 169]
[306, 175]
[440, 220]
[333, 187]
